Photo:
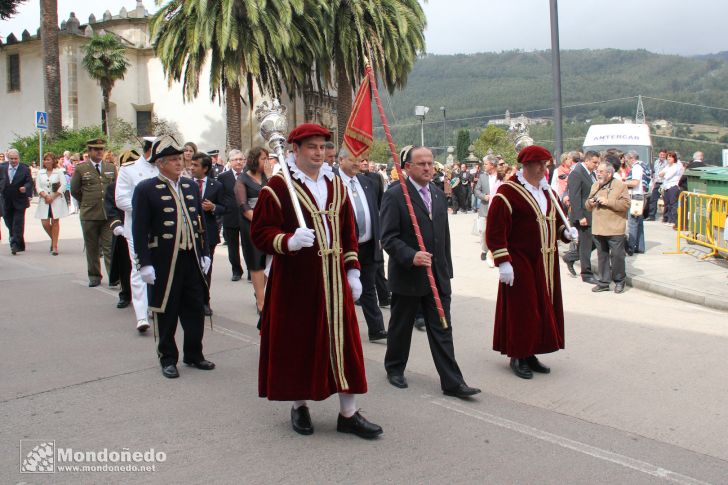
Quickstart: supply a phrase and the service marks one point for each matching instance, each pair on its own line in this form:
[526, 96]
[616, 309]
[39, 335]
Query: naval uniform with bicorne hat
[169, 239]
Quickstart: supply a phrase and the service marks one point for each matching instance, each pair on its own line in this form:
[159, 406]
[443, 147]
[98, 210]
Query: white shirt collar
[296, 173]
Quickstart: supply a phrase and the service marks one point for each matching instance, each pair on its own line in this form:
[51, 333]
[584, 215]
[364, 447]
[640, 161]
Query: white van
[624, 137]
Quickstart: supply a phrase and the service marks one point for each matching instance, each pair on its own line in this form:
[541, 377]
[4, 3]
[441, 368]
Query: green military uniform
[88, 186]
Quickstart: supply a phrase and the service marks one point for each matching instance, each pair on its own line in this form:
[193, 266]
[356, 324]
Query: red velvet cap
[534, 153]
[307, 130]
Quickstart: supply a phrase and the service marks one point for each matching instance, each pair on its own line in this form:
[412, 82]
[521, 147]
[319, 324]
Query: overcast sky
[467, 26]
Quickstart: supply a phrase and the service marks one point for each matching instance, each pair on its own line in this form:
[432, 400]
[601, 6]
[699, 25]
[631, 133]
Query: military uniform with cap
[133, 170]
[170, 242]
[88, 187]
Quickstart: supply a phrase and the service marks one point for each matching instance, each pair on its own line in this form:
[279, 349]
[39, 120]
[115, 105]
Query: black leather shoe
[629, 251]
[521, 369]
[397, 380]
[619, 287]
[537, 366]
[483, 256]
[92, 284]
[359, 426]
[122, 303]
[590, 279]
[301, 420]
[570, 267]
[380, 335]
[385, 303]
[600, 287]
[13, 250]
[208, 311]
[170, 371]
[420, 324]
[236, 277]
[462, 391]
[200, 364]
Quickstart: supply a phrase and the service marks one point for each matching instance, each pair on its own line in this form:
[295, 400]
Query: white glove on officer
[505, 273]
[118, 230]
[571, 234]
[147, 274]
[205, 262]
[354, 283]
[302, 238]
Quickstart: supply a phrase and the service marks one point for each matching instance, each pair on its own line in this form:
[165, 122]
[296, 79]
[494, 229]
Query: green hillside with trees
[485, 85]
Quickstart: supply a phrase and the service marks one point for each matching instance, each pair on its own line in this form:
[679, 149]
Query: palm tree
[390, 33]
[247, 43]
[8, 8]
[105, 61]
[51, 65]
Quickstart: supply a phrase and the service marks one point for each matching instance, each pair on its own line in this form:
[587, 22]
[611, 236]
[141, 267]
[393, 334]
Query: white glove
[354, 283]
[571, 234]
[302, 238]
[205, 262]
[147, 274]
[118, 230]
[505, 273]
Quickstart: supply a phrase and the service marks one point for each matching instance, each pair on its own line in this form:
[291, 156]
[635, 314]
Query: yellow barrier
[702, 220]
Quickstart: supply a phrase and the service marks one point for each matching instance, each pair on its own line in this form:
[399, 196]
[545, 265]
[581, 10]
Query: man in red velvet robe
[310, 344]
[523, 226]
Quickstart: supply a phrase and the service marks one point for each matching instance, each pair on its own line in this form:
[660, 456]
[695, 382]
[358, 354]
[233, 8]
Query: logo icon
[37, 456]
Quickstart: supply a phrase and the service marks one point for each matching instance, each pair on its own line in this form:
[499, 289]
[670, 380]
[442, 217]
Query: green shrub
[71, 140]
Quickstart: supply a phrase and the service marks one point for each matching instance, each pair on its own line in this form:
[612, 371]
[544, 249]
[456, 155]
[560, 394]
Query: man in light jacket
[609, 202]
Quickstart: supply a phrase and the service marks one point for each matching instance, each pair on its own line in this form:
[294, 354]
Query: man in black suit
[231, 219]
[578, 185]
[16, 192]
[408, 275]
[363, 195]
[211, 194]
[380, 281]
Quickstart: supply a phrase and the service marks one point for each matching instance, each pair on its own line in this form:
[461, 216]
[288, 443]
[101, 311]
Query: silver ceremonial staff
[521, 139]
[273, 126]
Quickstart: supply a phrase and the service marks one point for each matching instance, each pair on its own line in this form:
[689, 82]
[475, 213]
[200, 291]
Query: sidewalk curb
[677, 293]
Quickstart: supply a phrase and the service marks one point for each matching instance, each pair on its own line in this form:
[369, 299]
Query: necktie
[594, 177]
[12, 173]
[199, 184]
[98, 167]
[361, 220]
[426, 197]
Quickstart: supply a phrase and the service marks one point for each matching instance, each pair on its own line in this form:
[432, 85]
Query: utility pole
[556, 73]
[444, 126]
[639, 117]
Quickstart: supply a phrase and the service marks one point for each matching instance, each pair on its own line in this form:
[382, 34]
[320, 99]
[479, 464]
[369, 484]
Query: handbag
[55, 186]
[637, 206]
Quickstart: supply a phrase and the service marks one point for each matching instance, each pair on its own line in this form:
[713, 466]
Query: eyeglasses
[424, 164]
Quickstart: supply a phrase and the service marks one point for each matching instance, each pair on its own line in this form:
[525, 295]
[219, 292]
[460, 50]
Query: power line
[540, 110]
[686, 103]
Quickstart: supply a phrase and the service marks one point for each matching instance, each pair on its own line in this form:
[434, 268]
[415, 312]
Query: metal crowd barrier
[702, 220]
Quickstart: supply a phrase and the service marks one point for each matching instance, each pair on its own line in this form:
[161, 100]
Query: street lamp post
[421, 112]
[556, 72]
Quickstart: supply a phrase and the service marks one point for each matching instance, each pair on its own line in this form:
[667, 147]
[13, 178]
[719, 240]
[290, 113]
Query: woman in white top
[671, 175]
[51, 184]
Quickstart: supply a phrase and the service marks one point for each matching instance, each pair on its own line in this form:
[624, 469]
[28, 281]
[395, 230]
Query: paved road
[638, 396]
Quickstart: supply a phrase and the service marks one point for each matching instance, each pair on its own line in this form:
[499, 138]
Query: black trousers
[654, 198]
[186, 304]
[671, 197]
[15, 222]
[399, 337]
[381, 283]
[124, 273]
[460, 198]
[611, 253]
[368, 298]
[234, 238]
[208, 276]
[584, 250]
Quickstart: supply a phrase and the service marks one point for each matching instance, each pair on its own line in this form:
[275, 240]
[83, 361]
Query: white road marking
[593, 451]
[234, 334]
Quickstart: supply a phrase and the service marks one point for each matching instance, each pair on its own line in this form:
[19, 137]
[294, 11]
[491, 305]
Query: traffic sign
[41, 120]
